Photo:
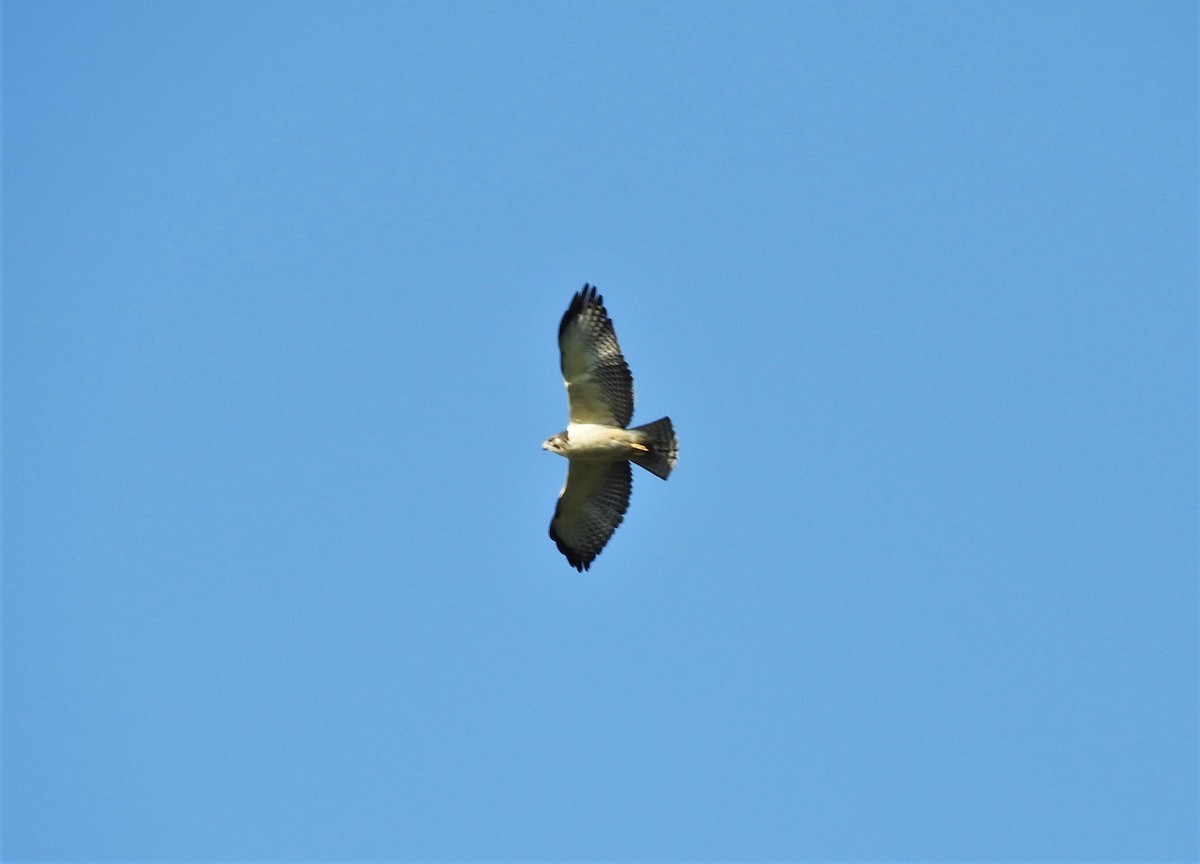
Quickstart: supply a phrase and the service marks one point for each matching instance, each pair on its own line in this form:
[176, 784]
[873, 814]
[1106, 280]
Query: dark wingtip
[573, 559]
[581, 300]
[586, 296]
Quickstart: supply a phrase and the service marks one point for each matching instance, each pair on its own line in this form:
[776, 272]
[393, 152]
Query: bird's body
[596, 442]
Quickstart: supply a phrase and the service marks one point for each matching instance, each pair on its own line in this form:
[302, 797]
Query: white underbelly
[592, 441]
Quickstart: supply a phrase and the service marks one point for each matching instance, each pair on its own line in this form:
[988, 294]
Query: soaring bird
[597, 441]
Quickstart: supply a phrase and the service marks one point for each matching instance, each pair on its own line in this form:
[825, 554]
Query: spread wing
[590, 507]
[599, 386]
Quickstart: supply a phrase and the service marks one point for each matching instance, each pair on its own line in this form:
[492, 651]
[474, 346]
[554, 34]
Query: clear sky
[917, 283]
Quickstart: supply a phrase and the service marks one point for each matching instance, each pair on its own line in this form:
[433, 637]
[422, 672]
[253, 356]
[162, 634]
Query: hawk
[597, 443]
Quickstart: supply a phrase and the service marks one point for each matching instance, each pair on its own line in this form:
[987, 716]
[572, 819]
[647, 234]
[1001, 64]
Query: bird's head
[556, 444]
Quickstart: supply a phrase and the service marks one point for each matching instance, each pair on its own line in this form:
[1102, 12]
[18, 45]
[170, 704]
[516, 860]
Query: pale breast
[593, 441]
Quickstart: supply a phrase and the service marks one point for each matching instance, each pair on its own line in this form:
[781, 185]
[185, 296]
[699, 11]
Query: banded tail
[662, 448]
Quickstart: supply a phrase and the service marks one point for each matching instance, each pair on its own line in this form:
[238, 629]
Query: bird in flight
[597, 443]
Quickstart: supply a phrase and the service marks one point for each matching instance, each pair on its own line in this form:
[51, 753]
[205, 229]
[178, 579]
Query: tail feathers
[659, 437]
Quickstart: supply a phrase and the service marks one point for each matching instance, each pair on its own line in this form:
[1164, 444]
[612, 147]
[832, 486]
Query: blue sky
[916, 282]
